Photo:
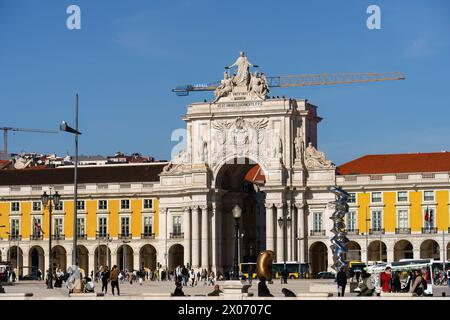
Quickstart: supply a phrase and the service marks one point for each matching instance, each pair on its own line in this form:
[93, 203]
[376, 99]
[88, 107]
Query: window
[402, 196]
[352, 198]
[376, 221]
[102, 226]
[351, 221]
[403, 221]
[15, 206]
[15, 227]
[36, 206]
[177, 224]
[80, 227]
[125, 226]
[428, 196]
[37, 226]
[124, 204]
[376, 196]
[60, 206]
[148, 226]
[317, 221]
[102, 205]
[429, 218]
[148, 203]
[81, 205]
[59, 226]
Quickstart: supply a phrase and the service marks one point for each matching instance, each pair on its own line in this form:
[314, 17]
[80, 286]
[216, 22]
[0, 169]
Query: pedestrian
[263, 291]
[386, 280]
[341, 280]
[448, 278]
[250, 274]
[198, 277]
[211, 277]
[114, 278]
[396, 284]
[357, 275]
[105, 278]
[284, 276]
[39, 274]
[140, 275]
[417, 286]
[13, 276]
[185, 275]
[192, 275]
[178, 288]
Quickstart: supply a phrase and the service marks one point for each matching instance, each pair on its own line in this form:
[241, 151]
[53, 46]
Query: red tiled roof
[398, 163]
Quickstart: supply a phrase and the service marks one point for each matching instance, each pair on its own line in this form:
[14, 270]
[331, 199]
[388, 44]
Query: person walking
[386, 280]
[341, 280]
[114, 278]
[105, 278]
[192, 275]
[250, 275]
[448, 278]
[198, 277]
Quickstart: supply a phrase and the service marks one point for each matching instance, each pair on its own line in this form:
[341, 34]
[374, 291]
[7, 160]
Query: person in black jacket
[263, 291]
[105, 279]
[341, 280]
[179, 288]
[396, 284]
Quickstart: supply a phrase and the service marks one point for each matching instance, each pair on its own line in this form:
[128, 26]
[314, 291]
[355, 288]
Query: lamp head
[56, 198]
[237, 211]
[45, 198]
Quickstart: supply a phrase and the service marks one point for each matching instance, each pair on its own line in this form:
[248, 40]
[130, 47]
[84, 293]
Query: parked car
[326, 275]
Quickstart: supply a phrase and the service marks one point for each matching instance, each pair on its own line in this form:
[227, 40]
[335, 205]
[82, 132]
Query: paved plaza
[162, 289]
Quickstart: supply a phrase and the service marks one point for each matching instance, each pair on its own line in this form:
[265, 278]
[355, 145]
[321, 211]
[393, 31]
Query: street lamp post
[283, 222]
[237, 211]
[65, 127]
[47, 199]
[1, 279]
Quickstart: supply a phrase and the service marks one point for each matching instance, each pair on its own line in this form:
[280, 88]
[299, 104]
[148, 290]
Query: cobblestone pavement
[39, 289]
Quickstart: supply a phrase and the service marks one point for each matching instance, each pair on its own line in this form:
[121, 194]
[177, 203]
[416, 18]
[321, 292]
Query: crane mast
[5, 136]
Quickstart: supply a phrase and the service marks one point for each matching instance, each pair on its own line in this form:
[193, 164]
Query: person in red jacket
[386, 280]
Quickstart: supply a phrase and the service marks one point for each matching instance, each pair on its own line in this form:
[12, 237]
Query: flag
[427, 217]
[37, 226]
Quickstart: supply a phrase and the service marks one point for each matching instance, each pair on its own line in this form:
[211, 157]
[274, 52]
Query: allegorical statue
[298, 142]
[225, 87]
[243, 66]
[258, 85]
[315, 158]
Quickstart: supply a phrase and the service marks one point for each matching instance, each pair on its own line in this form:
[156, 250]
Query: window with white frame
[15, 206]
[102, 226]
[429, 218]
[351, 221]
[81, 205]
[59, 226]
[80, 227]
[15, 227]
[124, 204]
[317, 221]
[125, 226]
[102, 205]
[376, 220]
[37, 205]
[376, 197]
[176, 225]
[59, 206]
[148, 226]
[352, 198]
[428, 196]
[148, 203]
[402, 196]
[402, 219]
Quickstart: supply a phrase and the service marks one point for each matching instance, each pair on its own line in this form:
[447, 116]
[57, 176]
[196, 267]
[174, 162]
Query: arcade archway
[429, 249]
[403, 249]
[147, 257]
[318, 257]
[59, 258]
[377, 251]
[125, 258]
[176, 256]
[36, 260]
[353, 251]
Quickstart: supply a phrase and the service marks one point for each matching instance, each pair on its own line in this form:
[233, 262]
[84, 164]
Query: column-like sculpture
[195, 239]
[339, 239]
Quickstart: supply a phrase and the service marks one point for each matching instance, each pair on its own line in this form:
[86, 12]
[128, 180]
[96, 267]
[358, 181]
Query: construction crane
[5, 135]
[303, 80]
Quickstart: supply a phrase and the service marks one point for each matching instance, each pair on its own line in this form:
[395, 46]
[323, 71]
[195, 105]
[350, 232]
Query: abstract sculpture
[339, 240]
[264, 265]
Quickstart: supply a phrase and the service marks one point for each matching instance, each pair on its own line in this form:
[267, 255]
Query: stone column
[91, 264]
[270, 240]
[136, 255]
[390, 254]
[187, 236]
[205, 236]
[416, 252]
[163, 255]
[195, 238]
[280, 234]
[218, 228]
[294, 233]
[289, 232]
[214, 253]
[302, 233]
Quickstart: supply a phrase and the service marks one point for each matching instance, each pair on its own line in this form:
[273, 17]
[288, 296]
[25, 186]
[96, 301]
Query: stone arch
[429, 249]
[147, 257]
[232, 159]
[59, 256]
[403, 249]
[377, 251]
[36, 260]
[318, 257]
[83, 259]
[125, 259]
[15, 256]
[353, 251]
[102, 257]
[176, 256]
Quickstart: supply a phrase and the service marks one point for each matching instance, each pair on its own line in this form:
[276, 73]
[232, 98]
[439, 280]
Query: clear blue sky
[129, 54]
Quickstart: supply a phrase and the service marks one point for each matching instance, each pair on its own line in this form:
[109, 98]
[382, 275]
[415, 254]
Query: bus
[245, 267]
[296, 269]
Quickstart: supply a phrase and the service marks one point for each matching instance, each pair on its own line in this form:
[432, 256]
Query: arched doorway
[147, 257]
[59, 258]
[36, 260]
[176, 256]
[15, 255]
[429, 249]
[102, 257]
[125, 257]
[377, 251]
[239, 181]
[403, 249]
[83, 259]
[318, 257]
[353, 251]
[447, 256]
